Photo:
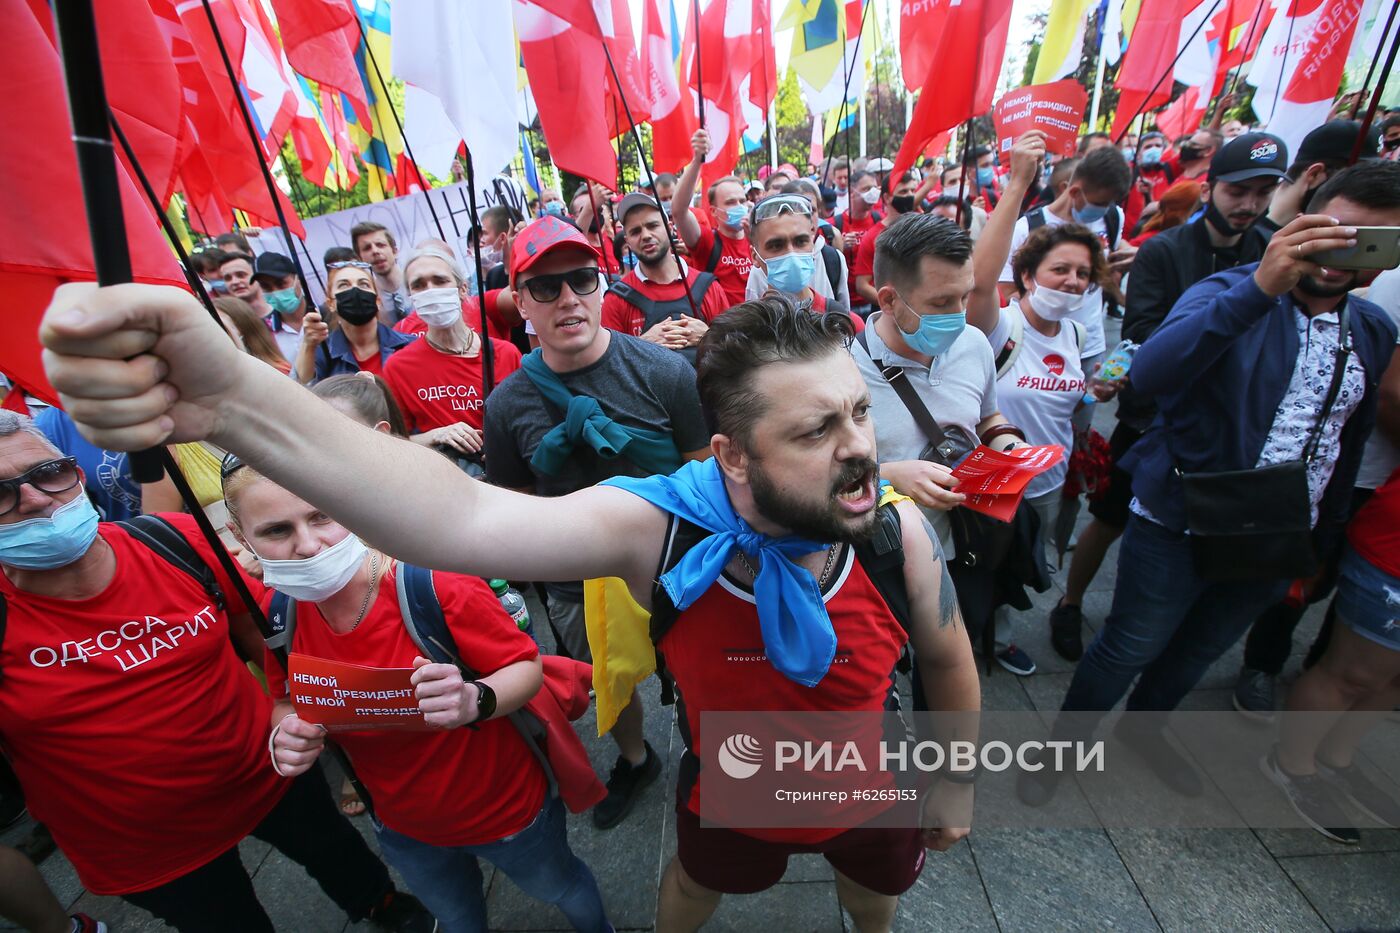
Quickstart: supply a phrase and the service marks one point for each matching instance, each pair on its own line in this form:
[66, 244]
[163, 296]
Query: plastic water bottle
[514, 605]
[1115, 366]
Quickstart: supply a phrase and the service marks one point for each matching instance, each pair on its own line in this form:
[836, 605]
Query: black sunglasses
[1391, 144]
[547, 287]
[53, 476]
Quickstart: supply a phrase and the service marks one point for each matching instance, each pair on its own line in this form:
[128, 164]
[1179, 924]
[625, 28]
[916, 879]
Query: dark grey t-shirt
[638, 384]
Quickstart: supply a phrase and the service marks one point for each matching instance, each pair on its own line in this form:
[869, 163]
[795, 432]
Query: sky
[1017, 43]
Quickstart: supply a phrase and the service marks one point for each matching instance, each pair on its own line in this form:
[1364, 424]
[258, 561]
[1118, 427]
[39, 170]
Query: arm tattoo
[947, 597]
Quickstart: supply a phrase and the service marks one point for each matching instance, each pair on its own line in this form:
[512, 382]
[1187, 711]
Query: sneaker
[82, 923]
[625, 784]
[1016, 661]
[1368, 796]
[401, 912]
[1169, 766]
[1067, 632]
[1254, 695]
[1312, 797]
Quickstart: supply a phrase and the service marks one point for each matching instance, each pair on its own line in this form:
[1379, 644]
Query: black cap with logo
[272, 266]
[1250, 155]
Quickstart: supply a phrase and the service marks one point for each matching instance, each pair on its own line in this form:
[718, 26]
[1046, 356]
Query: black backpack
[1112, 221]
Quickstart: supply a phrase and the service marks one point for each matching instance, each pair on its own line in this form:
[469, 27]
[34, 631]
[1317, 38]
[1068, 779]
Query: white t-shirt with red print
[1041, 389]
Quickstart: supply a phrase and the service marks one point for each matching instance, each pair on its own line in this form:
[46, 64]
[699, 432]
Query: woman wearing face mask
[445, 796]
[362, 343]
[1040, 380]
[439, 382]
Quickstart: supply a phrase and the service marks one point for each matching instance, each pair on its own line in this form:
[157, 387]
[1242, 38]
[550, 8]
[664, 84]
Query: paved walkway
[999, 880]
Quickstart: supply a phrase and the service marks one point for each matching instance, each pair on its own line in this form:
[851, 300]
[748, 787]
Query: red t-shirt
[865, 256]
[1375, 531]
[621, 315]
[454, 787]
[145, 751]
[435, 388]
[853, 233]
[715, 652]
[735, 261]
[371, 364]
[413, 324]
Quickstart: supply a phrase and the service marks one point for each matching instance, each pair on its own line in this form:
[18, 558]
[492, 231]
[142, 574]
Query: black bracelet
[997, 430]
[961, 777]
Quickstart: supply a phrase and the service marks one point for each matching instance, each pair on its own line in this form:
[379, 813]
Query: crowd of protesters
[757, 370]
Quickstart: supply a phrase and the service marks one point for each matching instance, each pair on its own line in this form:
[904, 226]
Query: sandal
[351, 804]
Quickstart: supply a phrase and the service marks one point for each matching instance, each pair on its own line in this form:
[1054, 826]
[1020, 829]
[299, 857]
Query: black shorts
[1112, 507]
[887, 860]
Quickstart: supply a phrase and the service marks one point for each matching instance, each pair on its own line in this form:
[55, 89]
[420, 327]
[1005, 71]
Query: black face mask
[356, 305]
[1190, 153]
[903, 203]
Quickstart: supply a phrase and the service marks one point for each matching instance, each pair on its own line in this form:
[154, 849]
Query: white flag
[468, 63]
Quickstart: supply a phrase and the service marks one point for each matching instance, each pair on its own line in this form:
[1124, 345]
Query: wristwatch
[485, 701]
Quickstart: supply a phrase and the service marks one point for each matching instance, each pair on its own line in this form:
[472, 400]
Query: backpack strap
[282, 618]
[712, 263]
[882, 557]
[831, 259]
[1012, 348]
[160, 536]
[427, 626]
[1035, 219]
[1079, 336]
[1113, 225]
[701, 286]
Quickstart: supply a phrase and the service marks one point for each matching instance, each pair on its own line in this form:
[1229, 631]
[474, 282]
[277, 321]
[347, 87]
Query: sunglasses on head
[547, 287]
[52, 477]
[781, 204]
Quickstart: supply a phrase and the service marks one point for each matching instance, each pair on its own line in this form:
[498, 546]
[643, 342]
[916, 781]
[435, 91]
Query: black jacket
[1164, 268]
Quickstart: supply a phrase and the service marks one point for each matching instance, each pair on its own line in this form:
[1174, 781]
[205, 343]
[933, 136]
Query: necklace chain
[471, 342]
[821, 580]
[369, 591]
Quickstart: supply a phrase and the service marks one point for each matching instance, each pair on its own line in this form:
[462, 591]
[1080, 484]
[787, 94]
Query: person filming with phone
[1266, 380]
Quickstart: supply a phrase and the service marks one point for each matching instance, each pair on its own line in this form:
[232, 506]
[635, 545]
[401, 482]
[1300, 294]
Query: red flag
[581, 14]
[320, 38]
[1184, 115]
[962, 75]
[763, 80]
[1144, 75]
[919, 34]
[566, 68]
[1322, 61]
[1238, 29]
[43, 229]
[673, 119]
[723, 50]
[622, 45]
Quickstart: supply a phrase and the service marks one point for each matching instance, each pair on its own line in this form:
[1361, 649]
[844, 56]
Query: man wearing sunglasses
[783, 234]
[589, 404]
[138, 734]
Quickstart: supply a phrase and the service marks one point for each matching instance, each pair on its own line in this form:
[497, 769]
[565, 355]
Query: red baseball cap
[542, 237]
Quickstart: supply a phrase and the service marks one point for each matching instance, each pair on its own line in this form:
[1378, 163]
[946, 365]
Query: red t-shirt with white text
[435, 388]
[452, 787]
[621, 315]
[138, 734]
[853, 233]
[735, 261]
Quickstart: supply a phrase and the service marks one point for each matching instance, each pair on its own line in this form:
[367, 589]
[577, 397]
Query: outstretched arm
[994, 243]
[140, 365]
[686, 224]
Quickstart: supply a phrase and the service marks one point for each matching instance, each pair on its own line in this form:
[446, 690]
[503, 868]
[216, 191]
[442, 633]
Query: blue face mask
[1152, 156]
[790, 272]
[986, 176]
[284, 301]
[55, 541]
[1089, 213]
[935, 333]
[735, 215]
[554, 208]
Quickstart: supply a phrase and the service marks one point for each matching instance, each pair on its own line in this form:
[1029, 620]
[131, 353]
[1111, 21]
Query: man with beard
[374, 244]
[1243, 177]
[650, 301]
[1241, 370]
[792, 481]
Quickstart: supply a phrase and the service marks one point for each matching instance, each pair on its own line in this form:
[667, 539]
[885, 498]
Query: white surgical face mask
[438, 307]
[871, 197]
[312, 579]
[1053, 305]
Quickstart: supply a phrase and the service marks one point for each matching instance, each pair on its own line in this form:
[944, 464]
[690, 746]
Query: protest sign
[1056, 109]
[343, 696]
[994, 482]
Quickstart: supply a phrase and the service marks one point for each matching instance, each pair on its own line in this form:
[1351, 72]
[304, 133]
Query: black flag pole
[699, 73]
[846, 95]
[374, 63]
[1375, 59]
[488, 356]
[1170, 68]
[1375, 98]
[651, 180]
[967, 149]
